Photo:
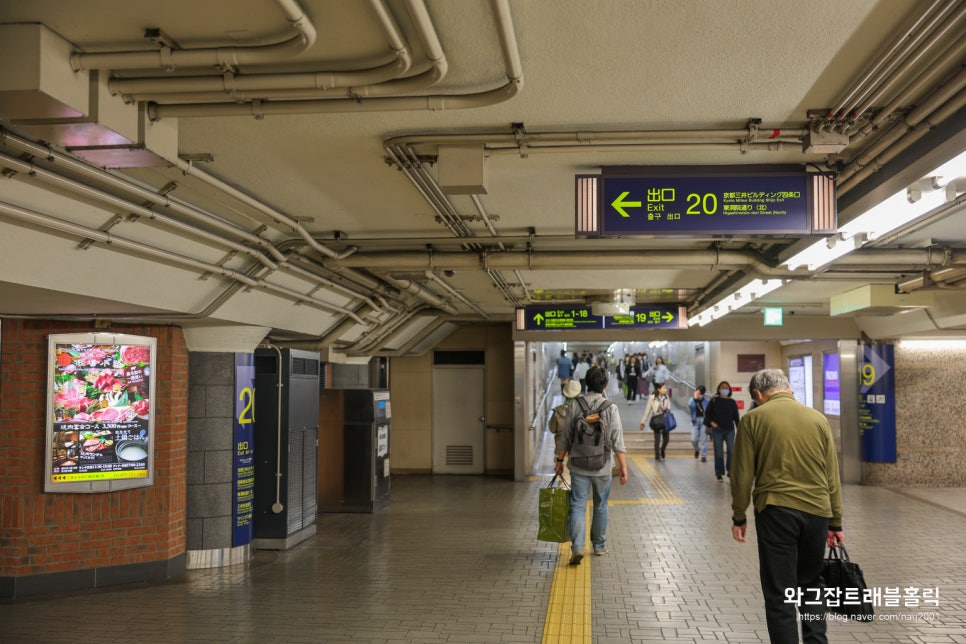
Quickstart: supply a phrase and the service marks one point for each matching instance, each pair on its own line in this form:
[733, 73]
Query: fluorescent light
[747, 294]
[898, 210]
[825, 251]
[933, 344]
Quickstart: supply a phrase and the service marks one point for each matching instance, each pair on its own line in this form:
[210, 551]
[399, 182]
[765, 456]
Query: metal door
[458, 422]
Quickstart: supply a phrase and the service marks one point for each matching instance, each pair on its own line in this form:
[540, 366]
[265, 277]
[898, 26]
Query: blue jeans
[721, 438]
[699, 437]
[580, 487]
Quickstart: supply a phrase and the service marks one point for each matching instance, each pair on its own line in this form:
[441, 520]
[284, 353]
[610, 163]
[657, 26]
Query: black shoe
[696, 453]
[575, 558]
[663, 455]
[720, 479]
[704, 459]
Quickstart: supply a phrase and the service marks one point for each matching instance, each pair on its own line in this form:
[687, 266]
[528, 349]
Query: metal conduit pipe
[436, 279]
[581, 139]
[222, 57]
[603, 260]
[413, 169]
[950, 24]
[555, 260]
[31, 170]
[333, 334]
[330, 284]
[894, 66]
[279, 218]
[145, 250]
[385, 332]
[351, 85]
[235, 85]
[941, 68]
[885, 54]
[135, 191]
[422, 293]
[903, 135]
[432, 103]
[934, 278]
[772, 146]
[442, 198]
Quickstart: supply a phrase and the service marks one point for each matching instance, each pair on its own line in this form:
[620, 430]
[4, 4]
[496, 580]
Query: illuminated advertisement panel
[100, 413]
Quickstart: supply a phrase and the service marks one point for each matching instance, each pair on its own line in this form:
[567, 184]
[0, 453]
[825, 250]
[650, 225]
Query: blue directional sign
[549, 317]
[705, 200]
[747, 205]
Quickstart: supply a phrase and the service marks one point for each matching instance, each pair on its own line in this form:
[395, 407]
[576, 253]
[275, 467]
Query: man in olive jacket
[786, 450]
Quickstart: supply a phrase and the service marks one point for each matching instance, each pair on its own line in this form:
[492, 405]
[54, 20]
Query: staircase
[642, 442]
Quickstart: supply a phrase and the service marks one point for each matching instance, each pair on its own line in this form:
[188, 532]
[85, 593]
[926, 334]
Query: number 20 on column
[247, 398]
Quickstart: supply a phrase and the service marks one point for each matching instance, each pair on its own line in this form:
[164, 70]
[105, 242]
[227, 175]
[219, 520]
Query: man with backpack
[592, 436]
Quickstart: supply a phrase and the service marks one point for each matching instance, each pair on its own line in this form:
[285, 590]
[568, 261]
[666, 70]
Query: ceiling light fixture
[747, 294]
[943, 185]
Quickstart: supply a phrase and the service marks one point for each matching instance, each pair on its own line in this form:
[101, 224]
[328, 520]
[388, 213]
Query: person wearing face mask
[721, 416]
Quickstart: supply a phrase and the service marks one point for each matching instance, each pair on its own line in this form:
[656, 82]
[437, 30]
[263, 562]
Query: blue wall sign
[877, 403]
[830, 384]
[550, 317]
[769, 204]
[244, 446]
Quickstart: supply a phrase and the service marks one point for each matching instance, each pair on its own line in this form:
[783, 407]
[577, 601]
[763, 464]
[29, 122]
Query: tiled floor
[454, 559]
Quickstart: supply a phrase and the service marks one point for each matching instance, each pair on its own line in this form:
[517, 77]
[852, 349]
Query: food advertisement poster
[100, 414]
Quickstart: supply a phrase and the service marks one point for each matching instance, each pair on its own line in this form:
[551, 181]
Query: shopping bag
[845, 587]
[554, 512]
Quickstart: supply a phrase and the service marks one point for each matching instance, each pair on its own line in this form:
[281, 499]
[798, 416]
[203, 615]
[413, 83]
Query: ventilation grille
[459, 455]
[305, 367]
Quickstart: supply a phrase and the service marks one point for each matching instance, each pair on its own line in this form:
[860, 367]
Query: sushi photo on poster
[100, 420]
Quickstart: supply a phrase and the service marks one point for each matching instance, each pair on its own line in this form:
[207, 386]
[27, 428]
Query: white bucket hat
[572, 389]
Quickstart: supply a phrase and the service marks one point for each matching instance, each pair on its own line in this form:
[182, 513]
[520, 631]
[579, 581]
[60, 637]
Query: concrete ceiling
[587, 66]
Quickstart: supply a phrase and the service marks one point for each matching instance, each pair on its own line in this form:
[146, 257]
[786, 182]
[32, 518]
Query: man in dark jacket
[786, 451]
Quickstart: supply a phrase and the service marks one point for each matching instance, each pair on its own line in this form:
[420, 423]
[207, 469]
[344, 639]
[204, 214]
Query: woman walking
[721, 416]
[657, 405]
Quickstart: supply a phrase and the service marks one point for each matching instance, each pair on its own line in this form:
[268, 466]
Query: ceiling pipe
[932, 112]
[606, 260]
[189, 169]
[436, 279]
[335, 286]
[126, 187]
[422, 293]
[950, 59]
[931, 278]
[432, 103]
[494, 142]
[950, 24]
[378, 337]
[169, 59]
[348, 85]
[144, 250]
[912, 33]
[27, 169]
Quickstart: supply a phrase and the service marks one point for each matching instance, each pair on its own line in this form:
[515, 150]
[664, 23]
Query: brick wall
[43, 533]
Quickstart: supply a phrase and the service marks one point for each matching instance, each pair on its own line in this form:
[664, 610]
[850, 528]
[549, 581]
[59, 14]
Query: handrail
[551, 381]
[689, 385]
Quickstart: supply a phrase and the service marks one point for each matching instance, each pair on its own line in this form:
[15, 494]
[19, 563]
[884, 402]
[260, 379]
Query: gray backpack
[590, 449]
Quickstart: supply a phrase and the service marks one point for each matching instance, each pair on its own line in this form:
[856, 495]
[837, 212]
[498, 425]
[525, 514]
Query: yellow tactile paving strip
[568, 614]
[663, 494]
